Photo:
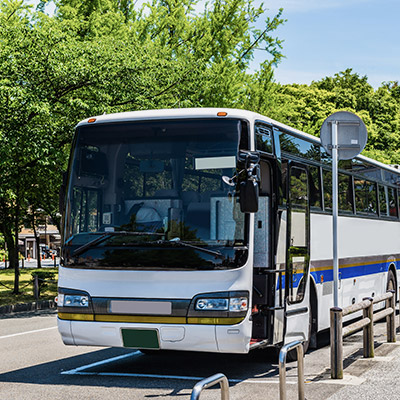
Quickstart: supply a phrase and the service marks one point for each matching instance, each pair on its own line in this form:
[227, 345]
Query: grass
[25, 286]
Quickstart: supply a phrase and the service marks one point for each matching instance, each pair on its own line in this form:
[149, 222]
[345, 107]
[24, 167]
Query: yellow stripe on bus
[150, 319]
[76, 317]
[359, 264]
[214, 321]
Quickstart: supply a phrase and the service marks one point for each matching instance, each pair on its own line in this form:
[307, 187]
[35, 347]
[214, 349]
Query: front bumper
[186, 337]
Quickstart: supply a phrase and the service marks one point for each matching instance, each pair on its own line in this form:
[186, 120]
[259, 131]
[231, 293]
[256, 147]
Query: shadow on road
[130, 371]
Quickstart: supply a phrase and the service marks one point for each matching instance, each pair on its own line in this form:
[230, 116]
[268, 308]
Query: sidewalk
[379, 382]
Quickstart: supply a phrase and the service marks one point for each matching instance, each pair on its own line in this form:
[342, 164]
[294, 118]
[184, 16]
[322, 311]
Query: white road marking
[76, 371]
[177, 377]
[27, 333]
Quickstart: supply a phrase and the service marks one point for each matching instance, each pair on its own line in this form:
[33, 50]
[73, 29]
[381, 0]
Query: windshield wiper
[208, 251]
[106, 235]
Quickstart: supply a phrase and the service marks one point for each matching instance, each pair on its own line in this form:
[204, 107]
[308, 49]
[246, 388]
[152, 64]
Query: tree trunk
[37, 241]
[8, 237]
[16, 250]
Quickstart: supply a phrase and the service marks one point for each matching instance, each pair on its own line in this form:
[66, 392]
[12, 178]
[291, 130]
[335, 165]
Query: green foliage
[305, 107]
[26, 290]
[3, 255]
[45, 277]
[108, 56]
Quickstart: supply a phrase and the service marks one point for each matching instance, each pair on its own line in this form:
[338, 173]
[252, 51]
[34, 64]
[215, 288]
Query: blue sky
[323, 37]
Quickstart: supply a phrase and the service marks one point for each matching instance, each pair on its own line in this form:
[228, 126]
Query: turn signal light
[222, 114]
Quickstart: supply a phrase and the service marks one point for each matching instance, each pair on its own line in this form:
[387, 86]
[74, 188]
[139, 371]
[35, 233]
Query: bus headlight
[71, 300]
[234, 304]
[212, 304]
[238, 304]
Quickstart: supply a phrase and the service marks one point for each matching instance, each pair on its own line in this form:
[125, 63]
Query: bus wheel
[391, 283]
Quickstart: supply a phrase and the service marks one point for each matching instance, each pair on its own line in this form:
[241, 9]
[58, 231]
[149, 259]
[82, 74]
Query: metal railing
[338, 332]
[211, 381]
[298, 345]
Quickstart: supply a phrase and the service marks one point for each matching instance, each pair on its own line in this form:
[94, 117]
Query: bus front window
[153, 192]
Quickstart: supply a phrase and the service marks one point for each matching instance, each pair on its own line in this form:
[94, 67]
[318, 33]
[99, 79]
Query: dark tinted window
[156, 180]
[383, 200]
[298, 187]
[345, 191]
[366, 169]
[315, 187]
[391, 177]
[344, 164]
[345, 187]
[392, 202]
[325, 157]
[283, 194]
[327, 184]
[365, 196]
[264, 138]
[299, 147]
[387, 201]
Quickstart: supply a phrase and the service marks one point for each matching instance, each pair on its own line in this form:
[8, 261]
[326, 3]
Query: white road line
[80, 371]
[177, 377]
[106, 361]
[27, 333]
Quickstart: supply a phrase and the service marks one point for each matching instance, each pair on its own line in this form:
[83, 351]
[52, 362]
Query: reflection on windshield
[159, 178]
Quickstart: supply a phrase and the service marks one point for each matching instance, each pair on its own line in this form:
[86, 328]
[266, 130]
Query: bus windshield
[150, 195]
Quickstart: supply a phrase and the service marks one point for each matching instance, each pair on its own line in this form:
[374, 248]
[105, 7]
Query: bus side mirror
[249, 193]
[249, 190]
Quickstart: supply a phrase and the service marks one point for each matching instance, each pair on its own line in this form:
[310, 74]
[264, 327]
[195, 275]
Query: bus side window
[383, 200]
[283, 188]
[298, 253]
[365, 195]
[264, 138]
[315, 187]
[392, 202]
[345, 193]
[327, 184]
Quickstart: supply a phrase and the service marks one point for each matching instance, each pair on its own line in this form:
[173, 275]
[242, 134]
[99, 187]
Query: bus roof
[183, 113]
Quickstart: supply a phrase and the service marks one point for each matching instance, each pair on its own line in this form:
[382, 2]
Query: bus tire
[391, 282]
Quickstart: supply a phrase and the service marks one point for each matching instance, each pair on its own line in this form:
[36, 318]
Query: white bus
[211, 230]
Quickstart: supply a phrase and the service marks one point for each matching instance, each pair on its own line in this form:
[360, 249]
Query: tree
[106, 56]
[306, 106]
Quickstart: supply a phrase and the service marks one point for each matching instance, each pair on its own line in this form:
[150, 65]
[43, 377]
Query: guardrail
[338, 332]
[298, 345]
[211, 381]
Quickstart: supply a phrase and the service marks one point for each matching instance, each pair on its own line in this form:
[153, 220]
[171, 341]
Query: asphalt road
[35, 364]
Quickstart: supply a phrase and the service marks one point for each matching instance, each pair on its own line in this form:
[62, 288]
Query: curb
[40, 305]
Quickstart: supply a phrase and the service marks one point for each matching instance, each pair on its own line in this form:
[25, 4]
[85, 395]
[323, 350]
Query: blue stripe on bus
[345, 272]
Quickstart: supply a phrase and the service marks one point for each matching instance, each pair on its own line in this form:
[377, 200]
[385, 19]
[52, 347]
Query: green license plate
[140, 338]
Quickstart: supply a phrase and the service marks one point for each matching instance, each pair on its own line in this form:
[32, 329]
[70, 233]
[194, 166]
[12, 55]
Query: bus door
[297, 291]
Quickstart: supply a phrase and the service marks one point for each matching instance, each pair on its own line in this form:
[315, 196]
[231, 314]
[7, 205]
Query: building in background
[49, 238]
